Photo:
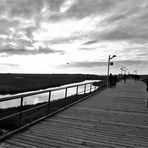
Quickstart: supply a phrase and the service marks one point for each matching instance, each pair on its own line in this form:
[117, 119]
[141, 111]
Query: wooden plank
[60, 127]
[100, 137]
[79, 139]
[16, 144]
[42, 140]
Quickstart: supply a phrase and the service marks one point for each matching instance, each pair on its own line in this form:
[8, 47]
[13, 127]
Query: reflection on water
[10, 103]
[40, 98]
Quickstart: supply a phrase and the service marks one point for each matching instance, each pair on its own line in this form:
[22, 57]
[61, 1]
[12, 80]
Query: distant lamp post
[125, 71]
[109, 63]
[122, 69]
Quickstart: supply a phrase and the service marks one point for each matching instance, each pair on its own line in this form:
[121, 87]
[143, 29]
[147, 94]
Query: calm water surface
[44, 97]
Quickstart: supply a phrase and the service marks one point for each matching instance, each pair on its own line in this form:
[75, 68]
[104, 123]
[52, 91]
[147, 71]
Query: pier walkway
[116, 117]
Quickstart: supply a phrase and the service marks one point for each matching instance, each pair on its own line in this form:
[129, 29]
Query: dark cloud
[143, 54]
[125, 23]
[22, 43]
[90, 42]
[86, 64]
[121, 33]
[55, 5]
[24, 8]
[15, 44]
[115, 18]
[136, 49]
[6, 24]
[48, 51]
[56, 17]
[128, 13]
[29, 30]
[131, 62]
[9, 64]
[61, 40]
[117, 34]
[13, 51]
[29, 8]
[83, 48]
[80, 8]
[83, 8]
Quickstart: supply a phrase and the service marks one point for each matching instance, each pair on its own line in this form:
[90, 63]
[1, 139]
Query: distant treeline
[18, 83]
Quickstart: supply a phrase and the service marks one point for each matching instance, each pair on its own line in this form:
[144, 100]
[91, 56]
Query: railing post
[95, 88]
[77, 90]
[20, 115]
[84, 88]
[90, 87]
[49, 102]
[66, 93]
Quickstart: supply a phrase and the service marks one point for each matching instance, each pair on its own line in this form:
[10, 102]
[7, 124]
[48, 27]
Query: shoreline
[19, 83]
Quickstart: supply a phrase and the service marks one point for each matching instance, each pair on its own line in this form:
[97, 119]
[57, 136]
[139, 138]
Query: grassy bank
[18, 83]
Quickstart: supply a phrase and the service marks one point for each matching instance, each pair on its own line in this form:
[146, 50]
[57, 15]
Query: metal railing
[86, 88]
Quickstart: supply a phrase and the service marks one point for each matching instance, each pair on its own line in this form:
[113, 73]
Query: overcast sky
[73, 36]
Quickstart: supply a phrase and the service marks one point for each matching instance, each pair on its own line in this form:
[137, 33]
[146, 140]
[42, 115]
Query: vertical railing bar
[66, 92]
[49, 97]
[65, 102]
[77, 89]
[20, 115]
[90, 87]
[84, 88]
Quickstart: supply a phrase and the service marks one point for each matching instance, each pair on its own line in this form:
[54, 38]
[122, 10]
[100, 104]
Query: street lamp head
[113, 57]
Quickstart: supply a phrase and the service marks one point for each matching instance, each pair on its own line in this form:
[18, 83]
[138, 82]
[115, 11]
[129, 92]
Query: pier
[116, 117]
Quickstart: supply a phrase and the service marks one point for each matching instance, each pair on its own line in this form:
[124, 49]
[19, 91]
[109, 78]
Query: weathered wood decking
[116, 117]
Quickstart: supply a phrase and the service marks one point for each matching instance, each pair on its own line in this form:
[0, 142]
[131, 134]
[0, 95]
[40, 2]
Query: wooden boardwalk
[116, 117]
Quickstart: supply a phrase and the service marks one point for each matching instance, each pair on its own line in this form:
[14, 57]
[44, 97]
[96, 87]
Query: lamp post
[125, 70]
[122, 69]
[109, 63]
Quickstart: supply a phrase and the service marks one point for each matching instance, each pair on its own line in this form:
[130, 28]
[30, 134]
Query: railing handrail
[8, 98]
